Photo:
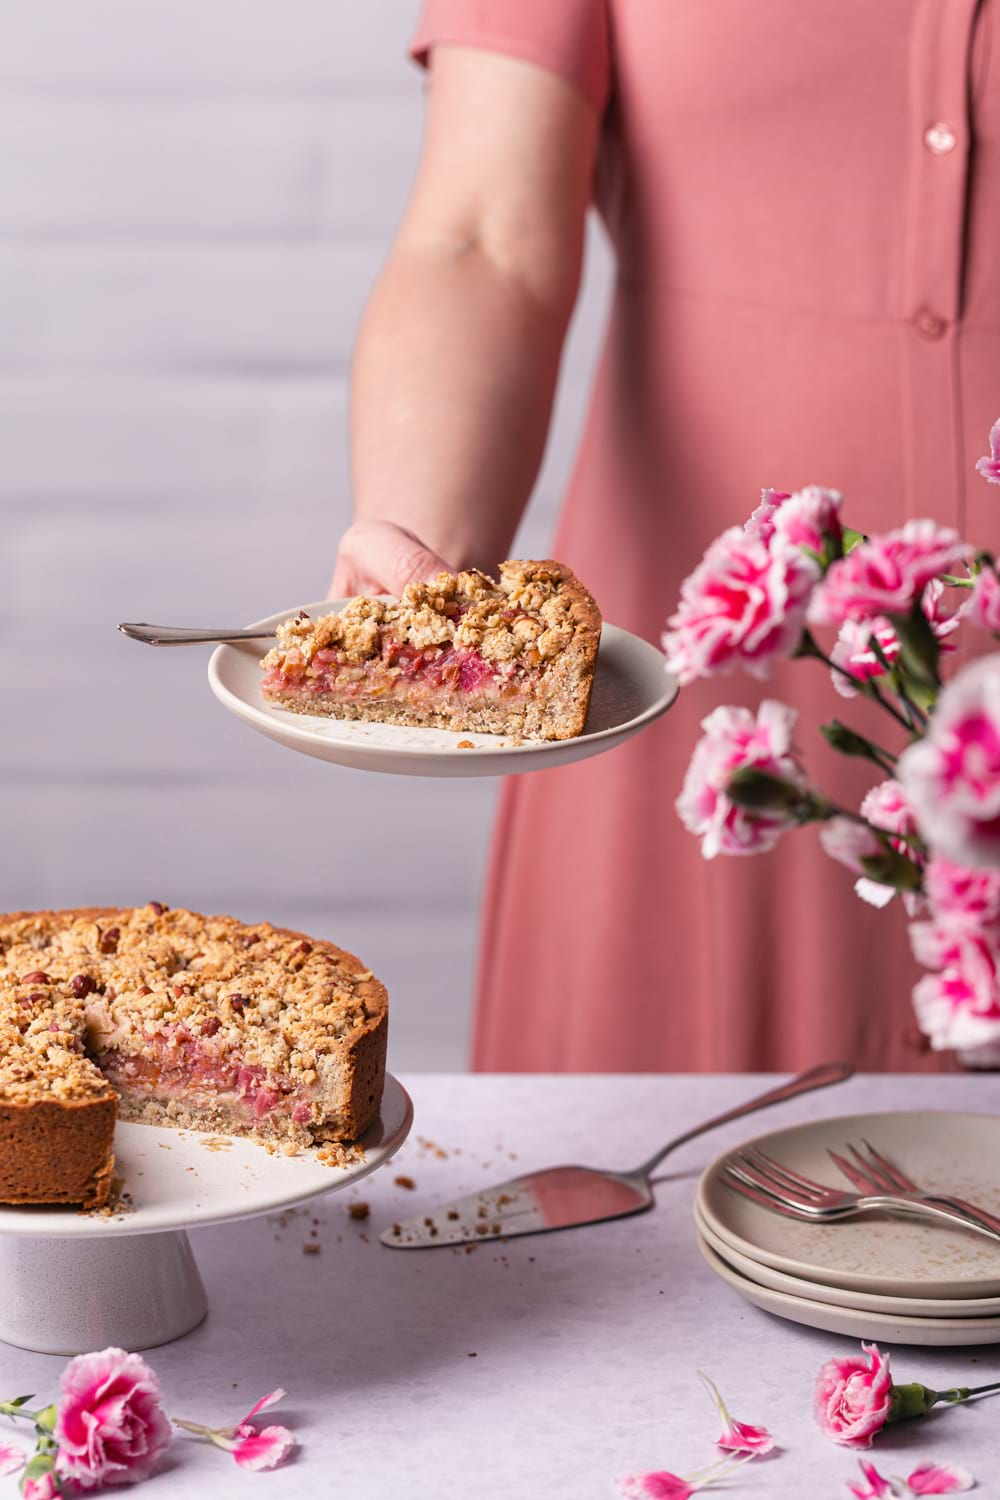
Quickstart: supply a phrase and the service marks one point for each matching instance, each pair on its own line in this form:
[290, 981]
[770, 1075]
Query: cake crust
[515, 656]
[174, 1018]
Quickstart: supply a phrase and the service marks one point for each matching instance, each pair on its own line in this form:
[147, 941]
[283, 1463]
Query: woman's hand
[378, 557]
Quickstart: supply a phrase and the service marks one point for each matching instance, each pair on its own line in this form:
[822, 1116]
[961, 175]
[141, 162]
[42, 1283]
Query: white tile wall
[194, 202]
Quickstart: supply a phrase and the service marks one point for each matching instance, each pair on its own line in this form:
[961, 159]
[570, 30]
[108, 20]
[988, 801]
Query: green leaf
[852, 539]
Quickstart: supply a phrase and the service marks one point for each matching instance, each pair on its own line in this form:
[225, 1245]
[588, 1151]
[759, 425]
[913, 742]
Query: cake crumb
[311, 1247]
[405, 1182]
[465, 745]
[358, 1210]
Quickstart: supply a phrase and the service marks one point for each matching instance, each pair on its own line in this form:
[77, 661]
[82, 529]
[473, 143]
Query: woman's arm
[459, 347]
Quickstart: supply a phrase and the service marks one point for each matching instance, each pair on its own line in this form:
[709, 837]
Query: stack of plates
[873, 1277]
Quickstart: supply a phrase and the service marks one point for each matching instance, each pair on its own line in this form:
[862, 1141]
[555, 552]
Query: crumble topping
[137, 982]
[526, 618]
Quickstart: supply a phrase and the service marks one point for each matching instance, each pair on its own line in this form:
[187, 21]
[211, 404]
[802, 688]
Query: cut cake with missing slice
[172, 1018]
[464, 652]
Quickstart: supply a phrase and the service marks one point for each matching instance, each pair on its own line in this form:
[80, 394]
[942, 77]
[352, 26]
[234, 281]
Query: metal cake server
[565, 1197]
[183, 635]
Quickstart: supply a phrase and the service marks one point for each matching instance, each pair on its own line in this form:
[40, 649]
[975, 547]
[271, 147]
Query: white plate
[911, 1307]
[631, 689]
[889, 1257]
[176, 1181]
[940, 1332]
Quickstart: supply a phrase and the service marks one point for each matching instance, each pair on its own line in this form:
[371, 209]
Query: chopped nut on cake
[515, 657]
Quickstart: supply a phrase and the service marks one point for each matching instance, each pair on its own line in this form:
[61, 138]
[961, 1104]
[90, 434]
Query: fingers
[378, 557]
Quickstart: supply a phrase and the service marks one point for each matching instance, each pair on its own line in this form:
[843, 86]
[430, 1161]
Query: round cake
[173, 1018]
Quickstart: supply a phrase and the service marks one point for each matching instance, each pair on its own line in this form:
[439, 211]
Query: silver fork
[872, 1172]
[760, 1178]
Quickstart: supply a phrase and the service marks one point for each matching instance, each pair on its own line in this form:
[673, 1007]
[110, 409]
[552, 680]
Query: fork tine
[785, 1178]
[855, 1178]
[758, 1195]
[875, 1173]
[892, 1172]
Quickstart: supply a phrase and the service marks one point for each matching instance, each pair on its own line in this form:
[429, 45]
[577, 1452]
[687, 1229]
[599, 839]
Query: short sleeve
[569, 37]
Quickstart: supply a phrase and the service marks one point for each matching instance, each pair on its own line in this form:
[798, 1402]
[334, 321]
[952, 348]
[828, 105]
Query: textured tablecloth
[543, 1367]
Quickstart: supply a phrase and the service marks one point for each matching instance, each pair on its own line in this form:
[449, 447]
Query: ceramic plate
[631, 689]
[911, 1307]
[886, 1327]
[183, 1179]
[877, 1255]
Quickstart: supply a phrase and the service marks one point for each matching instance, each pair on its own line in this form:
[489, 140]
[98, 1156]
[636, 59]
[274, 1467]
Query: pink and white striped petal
[262, 1450]
[939, 1479]
[271, 1399]
[12, 1458]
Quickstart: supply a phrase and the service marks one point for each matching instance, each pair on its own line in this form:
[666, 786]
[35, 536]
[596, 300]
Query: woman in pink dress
[803, 197]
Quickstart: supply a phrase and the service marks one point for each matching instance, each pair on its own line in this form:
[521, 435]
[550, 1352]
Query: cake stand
[72, 1281]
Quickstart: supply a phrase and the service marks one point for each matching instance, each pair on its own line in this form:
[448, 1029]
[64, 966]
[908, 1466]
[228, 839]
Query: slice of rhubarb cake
[514, 657]
[173, 1018]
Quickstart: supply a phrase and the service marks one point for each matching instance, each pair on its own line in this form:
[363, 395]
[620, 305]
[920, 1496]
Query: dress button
[929, 325]
[940, 138]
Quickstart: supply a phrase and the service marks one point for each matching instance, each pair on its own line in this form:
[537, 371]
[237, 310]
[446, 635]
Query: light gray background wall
[195, 197]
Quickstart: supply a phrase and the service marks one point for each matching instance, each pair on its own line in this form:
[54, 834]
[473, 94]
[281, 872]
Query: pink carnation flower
[853, 1397]
[43, 1487]
[761, 523]
[959, 1007]
[745, 604]
[952, 776]
[808, 517]
[734, 739]
[110, 1428]
[887, 574]
[990, 467]
[886, 807]
[962, 900]
[984, 606]
[854, 651]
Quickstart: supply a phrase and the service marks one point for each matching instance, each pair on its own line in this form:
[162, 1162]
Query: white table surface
[586, 1343]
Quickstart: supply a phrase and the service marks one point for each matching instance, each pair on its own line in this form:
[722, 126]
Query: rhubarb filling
[400, 671]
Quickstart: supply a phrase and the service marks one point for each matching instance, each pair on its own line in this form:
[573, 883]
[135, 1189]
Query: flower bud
[759, 791]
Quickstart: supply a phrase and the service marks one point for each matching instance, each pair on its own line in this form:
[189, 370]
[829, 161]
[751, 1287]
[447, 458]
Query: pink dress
[804, 200]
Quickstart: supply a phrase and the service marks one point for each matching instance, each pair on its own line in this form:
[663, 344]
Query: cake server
[565, 1197]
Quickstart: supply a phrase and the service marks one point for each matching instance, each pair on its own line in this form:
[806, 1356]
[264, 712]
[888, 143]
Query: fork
[757, 1176]
[874, 1172]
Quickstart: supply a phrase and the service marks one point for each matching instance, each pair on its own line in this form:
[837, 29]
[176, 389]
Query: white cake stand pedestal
[71, 1282]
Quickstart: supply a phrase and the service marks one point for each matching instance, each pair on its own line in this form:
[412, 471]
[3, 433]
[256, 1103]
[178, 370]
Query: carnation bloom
[887, 574]
[808, 517]
[761, 523]
[990, 467]
[110, 1428]
[854, 1396]
[850, 843]
[886, 807]
[744, 604]
[958, 1007]
[952, 776]
[855, 654]
[984, 606]
[734, 740]
[40, 1487]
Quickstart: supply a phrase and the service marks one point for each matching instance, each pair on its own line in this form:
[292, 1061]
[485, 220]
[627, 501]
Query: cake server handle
[820, 1077]
[180, 635]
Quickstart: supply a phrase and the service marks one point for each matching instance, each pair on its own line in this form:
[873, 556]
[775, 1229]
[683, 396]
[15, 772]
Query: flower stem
[963, 1392]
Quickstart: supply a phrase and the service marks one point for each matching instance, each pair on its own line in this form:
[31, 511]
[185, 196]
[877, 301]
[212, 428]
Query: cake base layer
[57, 1153]
[532, 720]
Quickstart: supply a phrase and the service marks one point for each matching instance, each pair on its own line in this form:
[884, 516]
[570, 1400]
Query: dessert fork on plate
[757, 1176]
